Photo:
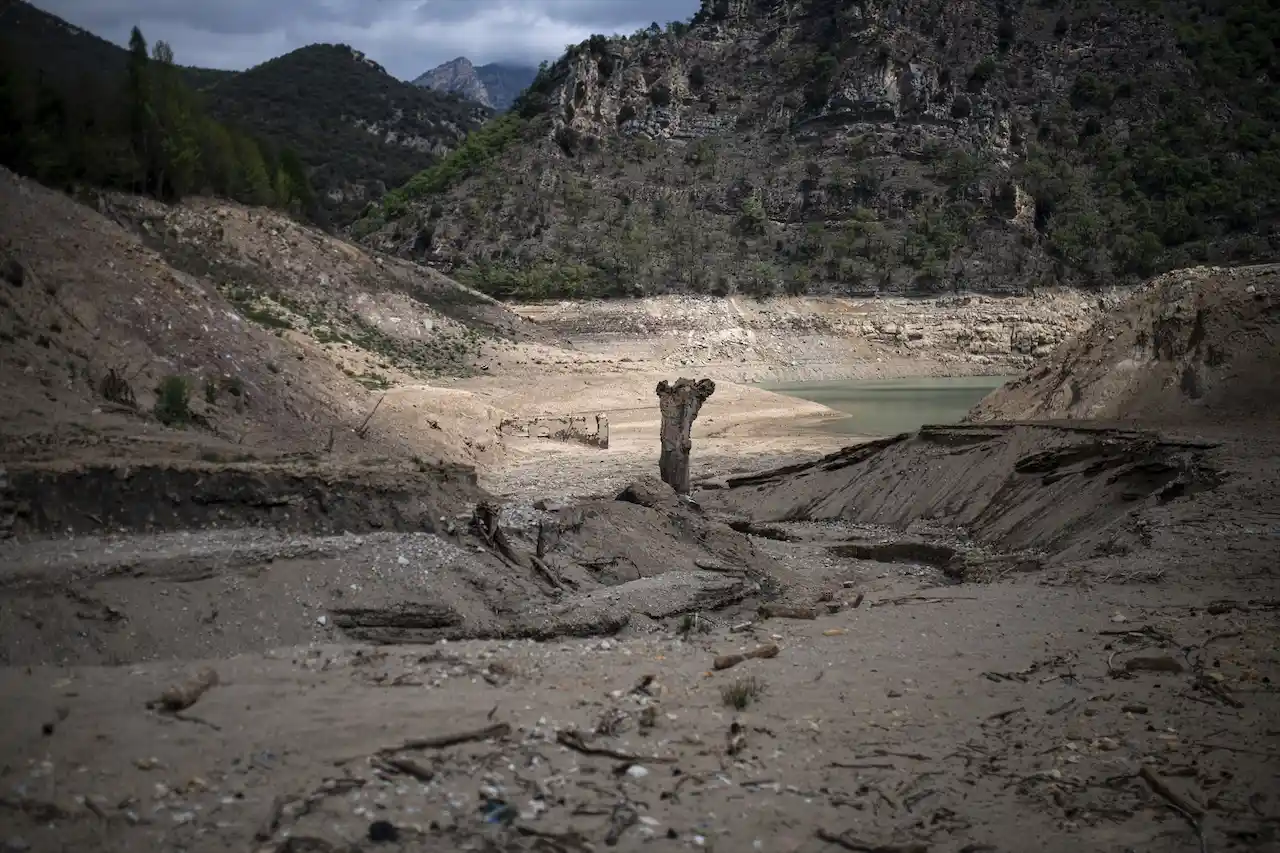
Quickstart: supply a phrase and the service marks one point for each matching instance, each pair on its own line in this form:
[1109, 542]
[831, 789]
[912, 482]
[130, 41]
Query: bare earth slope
[283, 333]
[1198, 345]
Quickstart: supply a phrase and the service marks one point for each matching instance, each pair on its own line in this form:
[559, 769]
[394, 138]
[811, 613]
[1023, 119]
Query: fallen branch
[1178, 801]
[848, 843]
[1184, 806]
[409, 767]
[497, 730]
[363, 430]
[545, 571]
[1239, 750]
[778, 611]
[1004, 715]
[759, 652]
[1217, 691]
[574, 740]
[921, 599]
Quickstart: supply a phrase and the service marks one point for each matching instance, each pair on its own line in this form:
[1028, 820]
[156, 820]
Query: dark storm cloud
[406, 36]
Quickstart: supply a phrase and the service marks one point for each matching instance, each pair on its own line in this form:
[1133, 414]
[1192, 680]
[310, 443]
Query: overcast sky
[407, 37]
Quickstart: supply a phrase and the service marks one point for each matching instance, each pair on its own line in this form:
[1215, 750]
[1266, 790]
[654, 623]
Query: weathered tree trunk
[679, 404]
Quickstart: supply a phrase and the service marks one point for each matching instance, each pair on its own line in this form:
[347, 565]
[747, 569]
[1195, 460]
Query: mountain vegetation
[78, 111]
[859, 147]
[342, 126]
[356, 128]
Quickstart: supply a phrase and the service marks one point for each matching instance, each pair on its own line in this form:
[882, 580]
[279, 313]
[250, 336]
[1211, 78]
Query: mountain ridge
[495, 84]
[871, 147]
[355, 128]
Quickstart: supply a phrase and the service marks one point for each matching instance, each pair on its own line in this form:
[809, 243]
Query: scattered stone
[182, 696]
[12, 270]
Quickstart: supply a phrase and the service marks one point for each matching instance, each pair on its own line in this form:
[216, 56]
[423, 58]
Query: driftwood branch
[574, 740]
[363, 430]
[497, 730]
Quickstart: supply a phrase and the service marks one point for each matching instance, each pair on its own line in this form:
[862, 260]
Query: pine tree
[253, 184]
[220, 168]
[173, 109]
[299, 184]
[138, 97]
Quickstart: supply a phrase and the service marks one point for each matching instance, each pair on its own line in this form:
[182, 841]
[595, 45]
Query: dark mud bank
[1063, 491]
[284, 496]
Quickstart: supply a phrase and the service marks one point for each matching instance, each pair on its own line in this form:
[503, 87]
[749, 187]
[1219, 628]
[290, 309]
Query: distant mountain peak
[495, 85]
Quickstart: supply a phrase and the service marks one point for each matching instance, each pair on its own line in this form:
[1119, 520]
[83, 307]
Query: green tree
[138, 103]
[253, 183]
[172, 110]
[299, 184]
[220, 169]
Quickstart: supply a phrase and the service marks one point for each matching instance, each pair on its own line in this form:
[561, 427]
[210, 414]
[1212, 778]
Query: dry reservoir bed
[950, 640]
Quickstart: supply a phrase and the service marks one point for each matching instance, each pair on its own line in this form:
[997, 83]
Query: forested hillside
[78, 111]
[324, 117]
[358, 129]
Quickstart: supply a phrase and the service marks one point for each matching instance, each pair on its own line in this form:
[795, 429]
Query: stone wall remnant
[591, 431]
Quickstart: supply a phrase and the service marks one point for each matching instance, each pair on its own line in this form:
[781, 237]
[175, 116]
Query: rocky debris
[679, 405]
[648, 491]
[591, 431]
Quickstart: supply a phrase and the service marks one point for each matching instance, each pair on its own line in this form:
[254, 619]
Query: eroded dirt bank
[740, 339]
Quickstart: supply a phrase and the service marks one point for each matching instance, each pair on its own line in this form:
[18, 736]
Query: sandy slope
[1193, 346]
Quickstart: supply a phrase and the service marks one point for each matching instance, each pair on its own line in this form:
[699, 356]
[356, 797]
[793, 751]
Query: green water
[891, 406]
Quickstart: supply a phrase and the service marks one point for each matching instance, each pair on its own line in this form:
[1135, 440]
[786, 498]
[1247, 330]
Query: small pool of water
[890, 406]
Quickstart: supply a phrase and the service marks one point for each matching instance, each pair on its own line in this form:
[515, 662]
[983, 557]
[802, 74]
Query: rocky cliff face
[869, 146]
[495, 85]
[457, 76]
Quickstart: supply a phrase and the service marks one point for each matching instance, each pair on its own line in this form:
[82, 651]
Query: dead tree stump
[679, 404]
